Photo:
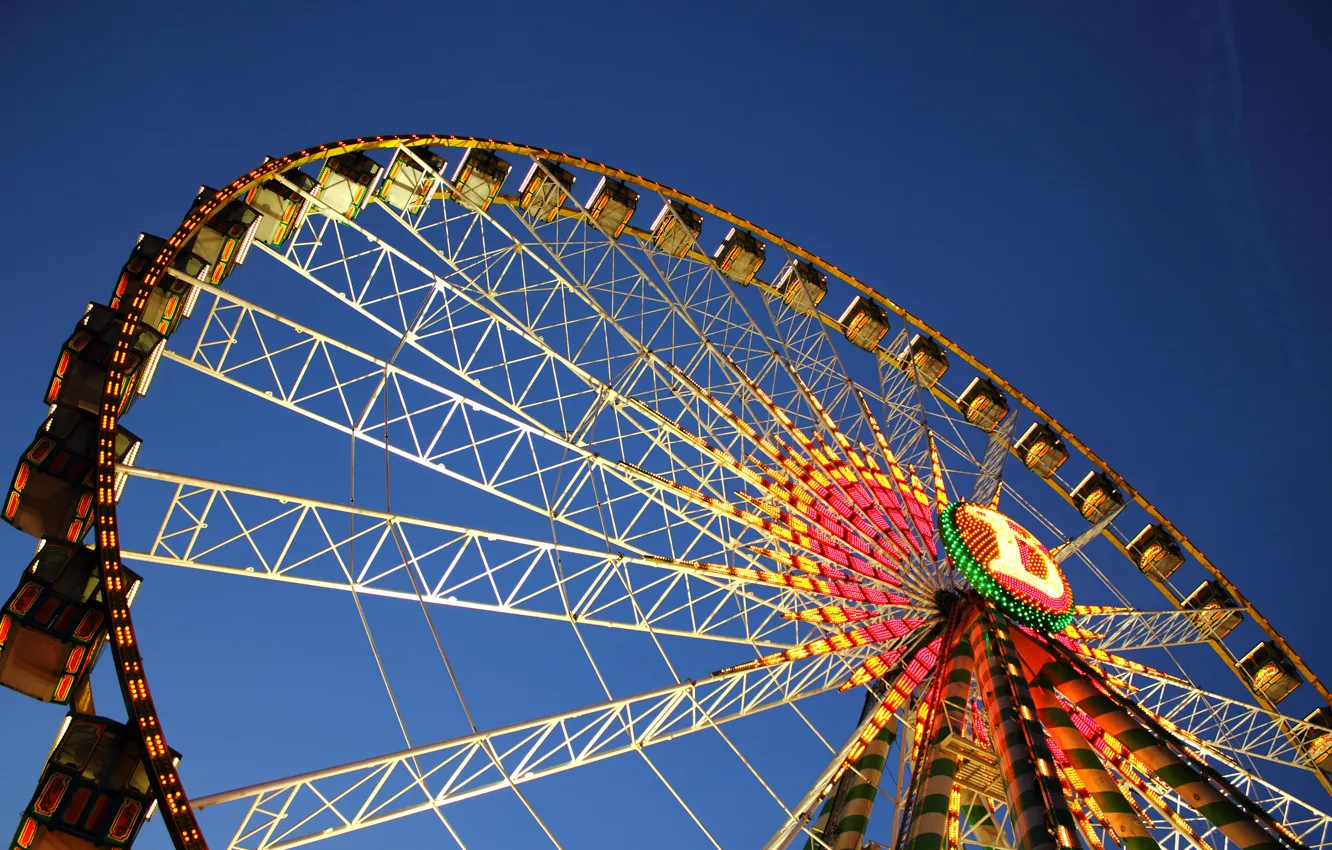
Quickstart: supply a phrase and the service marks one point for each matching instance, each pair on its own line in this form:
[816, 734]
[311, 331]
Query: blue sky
[1122, 208]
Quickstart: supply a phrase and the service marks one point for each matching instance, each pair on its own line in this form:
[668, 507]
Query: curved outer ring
[180, 820]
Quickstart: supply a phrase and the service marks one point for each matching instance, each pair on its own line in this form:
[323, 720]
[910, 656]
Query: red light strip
[919, 508]
[862, 636]
[915, 672]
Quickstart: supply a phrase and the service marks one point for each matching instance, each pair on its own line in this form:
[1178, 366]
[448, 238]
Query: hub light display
[1007, 565]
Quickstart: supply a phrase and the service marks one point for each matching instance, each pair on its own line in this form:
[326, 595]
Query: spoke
[1235, 728]
[255, 533]
[337, 800]
[1124, 629]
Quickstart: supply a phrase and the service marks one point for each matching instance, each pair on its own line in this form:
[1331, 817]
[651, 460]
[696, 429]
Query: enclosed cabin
[171, 299]
[739, 256]
[801, 286]
[1155, 552]
[478, 178]
[52, 627]
[51, 493]
[224, 240]
[281, 205]
[1211, 597]
[612, 205]
[1270, 670]
[1318, 741]
[1041, 450]
[85, 358]
[983, 404]
[412, 177]
[95, 791]
[543, 190]
[346, 182]
[927, 358]
[1096, 496]
[864, 323]
[675, 228]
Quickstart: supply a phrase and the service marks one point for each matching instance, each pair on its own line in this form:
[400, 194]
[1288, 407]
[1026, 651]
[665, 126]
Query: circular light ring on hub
[1007, 565]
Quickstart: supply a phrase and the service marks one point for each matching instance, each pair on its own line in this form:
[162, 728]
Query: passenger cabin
[1041, 450]
[283, 208]
[1095, 496]
[1211, 596]
[541, 197]
[864, 323]
[171, 300]
[1318, 742]
[612, 205]
[801, 286]
[1269, 669]
[95, 791]
[478, 178]
[51, 493]
[223, 242]
[675, 228]
[346, 181]
[1155, 552]
[52, 627]
[80, 371]
[983, 404]
[412, 177]
[739, 256]
[927, 358]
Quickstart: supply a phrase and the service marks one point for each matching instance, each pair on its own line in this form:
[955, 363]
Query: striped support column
[929, 825]
[1036, 813]
[1233, 822]
[859, 799]
[1132, 833]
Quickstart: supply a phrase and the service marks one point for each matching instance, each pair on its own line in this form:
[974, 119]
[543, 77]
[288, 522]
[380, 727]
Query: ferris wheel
[804, 572]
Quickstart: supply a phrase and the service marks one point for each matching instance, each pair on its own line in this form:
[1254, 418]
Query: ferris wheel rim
[106, 506]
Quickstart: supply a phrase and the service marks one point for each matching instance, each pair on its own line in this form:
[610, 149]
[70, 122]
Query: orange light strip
[936, 468]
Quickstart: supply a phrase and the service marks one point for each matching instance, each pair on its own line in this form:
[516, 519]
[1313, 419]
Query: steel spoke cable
[486, 744]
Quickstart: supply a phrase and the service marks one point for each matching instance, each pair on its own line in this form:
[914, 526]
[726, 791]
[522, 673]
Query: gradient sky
[1122, 207]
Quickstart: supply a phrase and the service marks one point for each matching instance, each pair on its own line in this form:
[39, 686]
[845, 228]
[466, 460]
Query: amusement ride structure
[1021, 651]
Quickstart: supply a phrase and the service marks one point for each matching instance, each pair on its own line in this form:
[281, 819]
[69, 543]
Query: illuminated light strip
[953, 838]
[1084, 610]
[862, 636]
[809, 565]
[834, 614]
[872, 668]
[919, 508]
[814, 477]
[800, 562]
[994, 500]
[893, 502]
[1076, 800]
[936, 468]
[901, 689]
[1077, 632]
[1104, 657]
